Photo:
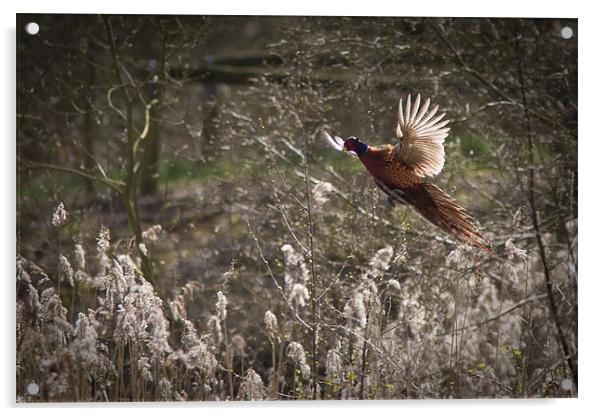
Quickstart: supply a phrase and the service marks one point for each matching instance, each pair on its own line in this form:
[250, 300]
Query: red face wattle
[350, 144]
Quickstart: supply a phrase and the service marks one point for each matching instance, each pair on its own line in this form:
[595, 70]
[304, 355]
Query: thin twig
[314, 288]
[492, 318]
[271, 273]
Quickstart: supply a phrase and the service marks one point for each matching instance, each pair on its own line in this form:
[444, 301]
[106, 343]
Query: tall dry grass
[462, 330]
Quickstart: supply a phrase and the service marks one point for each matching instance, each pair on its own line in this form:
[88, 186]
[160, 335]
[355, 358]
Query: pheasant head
[355, 146]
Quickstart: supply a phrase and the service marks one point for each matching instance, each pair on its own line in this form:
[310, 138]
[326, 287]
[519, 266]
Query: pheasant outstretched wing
[421, 134]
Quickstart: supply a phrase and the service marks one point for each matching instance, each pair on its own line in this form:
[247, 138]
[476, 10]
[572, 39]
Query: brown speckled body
[392, 175]
[389, 171]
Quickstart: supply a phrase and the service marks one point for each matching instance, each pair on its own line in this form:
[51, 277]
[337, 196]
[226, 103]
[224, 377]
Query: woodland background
[185, 234]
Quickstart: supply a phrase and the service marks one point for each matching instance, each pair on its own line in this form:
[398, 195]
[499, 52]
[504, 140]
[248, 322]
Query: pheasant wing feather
[421, 135]
[336, 142]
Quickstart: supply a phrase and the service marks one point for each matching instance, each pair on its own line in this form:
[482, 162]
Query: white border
[506, 8]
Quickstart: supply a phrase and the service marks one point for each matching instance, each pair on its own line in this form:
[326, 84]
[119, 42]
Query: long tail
[439, 208]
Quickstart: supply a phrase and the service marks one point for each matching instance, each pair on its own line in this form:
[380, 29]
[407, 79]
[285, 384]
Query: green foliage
[474, 147]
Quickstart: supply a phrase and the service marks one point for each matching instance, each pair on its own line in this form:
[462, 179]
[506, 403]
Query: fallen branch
[114, 184]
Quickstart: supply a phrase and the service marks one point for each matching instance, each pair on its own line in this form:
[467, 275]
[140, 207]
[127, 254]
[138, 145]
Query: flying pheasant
[399, 170]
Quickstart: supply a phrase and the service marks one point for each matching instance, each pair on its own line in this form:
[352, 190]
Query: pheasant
[400, 170]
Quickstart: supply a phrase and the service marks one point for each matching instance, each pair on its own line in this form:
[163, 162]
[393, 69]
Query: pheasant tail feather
[443, 211]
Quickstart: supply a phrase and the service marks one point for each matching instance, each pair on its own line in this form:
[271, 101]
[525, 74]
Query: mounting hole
[566, 32]
[33, 389]
[32, 28]
[566, 384]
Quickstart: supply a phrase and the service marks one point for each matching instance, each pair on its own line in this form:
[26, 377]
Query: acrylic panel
[237, 208]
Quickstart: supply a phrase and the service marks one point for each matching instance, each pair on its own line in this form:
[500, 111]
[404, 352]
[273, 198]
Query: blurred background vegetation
[207, 126]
